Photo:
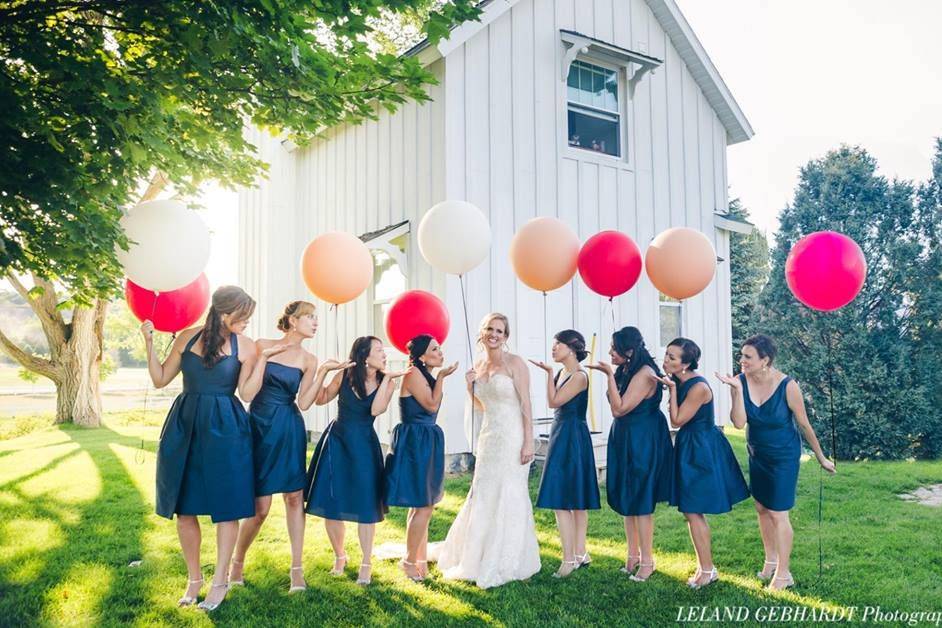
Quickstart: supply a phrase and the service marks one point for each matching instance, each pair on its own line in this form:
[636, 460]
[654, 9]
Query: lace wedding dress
[493, 539]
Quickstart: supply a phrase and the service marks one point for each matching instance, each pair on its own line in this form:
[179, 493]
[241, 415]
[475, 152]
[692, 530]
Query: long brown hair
[356, 375]
[231, 300]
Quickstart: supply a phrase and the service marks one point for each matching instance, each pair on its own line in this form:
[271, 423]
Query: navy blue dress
[569, 481]
[415, 465]
[640, 459]
[707, 477]
[204, 458]
[345, 477]
[774, 448]
[279, 438]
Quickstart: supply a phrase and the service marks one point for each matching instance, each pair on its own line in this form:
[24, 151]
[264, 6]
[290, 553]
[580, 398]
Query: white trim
[724, 223]
[466, 31]
[702, 69]
[689, 48]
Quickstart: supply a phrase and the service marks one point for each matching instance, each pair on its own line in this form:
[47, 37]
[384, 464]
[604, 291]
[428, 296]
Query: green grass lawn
[76, 507]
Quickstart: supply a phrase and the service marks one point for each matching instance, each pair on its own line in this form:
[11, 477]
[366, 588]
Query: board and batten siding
[507, 152]
[495, 134]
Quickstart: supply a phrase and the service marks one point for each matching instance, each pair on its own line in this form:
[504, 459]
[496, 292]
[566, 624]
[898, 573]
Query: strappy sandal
[186, 600]
[695, 583]
[299, 587]
[583, 560]
[404, 564]
[338, 571]
[637, 578]
[630, 570]
[367, 580]
[761, 575]
[241, 581]
[211, 606]
[787, 579]
[559, 574]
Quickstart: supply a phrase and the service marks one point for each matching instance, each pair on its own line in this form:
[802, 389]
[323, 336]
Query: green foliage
[122, 334]
[884, 401]
[95, 97]
[27, 376]
[749, 272]
[106, 367]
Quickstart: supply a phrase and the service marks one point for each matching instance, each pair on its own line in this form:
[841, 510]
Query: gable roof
[674, 24]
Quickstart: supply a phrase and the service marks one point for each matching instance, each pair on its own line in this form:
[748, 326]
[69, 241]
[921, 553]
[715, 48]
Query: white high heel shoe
[186, 600]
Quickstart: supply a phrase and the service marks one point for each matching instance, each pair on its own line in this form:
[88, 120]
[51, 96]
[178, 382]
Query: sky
[813, 74]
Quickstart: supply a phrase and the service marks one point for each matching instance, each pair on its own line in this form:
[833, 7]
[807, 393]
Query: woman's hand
[470, 377]
[526, 452]
[730, 380]
[605, 367]
[273, 350]
[147, 330]
[333, 365]
[446, 371]
[543, 365]
[827, 465]
[667, 381]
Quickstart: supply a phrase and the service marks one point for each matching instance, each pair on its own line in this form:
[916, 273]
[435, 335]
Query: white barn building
[607, 114]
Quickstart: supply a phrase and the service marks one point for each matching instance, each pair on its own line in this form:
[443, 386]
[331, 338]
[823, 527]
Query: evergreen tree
[881, 402]
[749, 271]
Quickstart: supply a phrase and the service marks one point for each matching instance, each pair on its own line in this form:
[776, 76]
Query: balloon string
[545, 331]
[467, 326]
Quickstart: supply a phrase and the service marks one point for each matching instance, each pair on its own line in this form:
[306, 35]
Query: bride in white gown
[493, 539]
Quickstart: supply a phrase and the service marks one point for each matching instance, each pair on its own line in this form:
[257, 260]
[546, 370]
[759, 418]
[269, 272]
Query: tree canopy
[98, 95]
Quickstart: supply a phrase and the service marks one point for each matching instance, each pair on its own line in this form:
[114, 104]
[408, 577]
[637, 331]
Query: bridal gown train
[493, 539]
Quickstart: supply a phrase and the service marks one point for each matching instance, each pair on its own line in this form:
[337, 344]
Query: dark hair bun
[575, 341]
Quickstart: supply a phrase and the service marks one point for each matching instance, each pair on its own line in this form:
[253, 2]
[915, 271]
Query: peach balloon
[337, 267]
[544, 253]
[680, 262]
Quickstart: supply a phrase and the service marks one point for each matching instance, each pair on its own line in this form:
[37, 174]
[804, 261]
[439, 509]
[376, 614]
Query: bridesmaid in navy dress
[569, 485]
[204, 459]
[345, 480]
[772, 406]
[283, 373]
[707, 477]
[640, 453]
[415, 466]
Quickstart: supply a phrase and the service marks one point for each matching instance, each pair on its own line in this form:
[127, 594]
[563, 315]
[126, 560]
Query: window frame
[625, 159]
[681, 310]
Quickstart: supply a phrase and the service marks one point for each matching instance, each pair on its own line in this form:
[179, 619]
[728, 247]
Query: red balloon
[610, 263]
[825, 270]
[413, 313]
[169, 311]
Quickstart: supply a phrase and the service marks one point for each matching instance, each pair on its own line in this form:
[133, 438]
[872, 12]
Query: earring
[684, 371]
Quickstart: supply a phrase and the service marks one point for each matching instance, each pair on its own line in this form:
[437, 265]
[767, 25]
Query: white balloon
[170, 245]
[454, 237]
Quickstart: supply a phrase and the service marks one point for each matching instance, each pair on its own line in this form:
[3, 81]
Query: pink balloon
[610, 263]
[169, 311]
[825, 270]
[413, 313]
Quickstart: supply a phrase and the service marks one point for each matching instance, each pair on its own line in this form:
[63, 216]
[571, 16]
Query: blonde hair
[295, 309]
[487, 320]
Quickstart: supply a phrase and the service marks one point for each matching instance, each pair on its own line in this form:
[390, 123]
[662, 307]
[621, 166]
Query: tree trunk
[78, 398]
[76, 349]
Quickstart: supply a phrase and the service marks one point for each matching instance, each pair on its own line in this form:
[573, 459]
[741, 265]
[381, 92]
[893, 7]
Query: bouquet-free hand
[604, 367]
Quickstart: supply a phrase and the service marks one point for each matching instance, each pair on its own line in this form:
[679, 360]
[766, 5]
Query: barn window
[389, 248]
[594, 114]
[670, 319]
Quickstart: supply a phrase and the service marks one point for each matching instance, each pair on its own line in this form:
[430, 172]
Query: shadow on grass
[80, 573]
[96, 537]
